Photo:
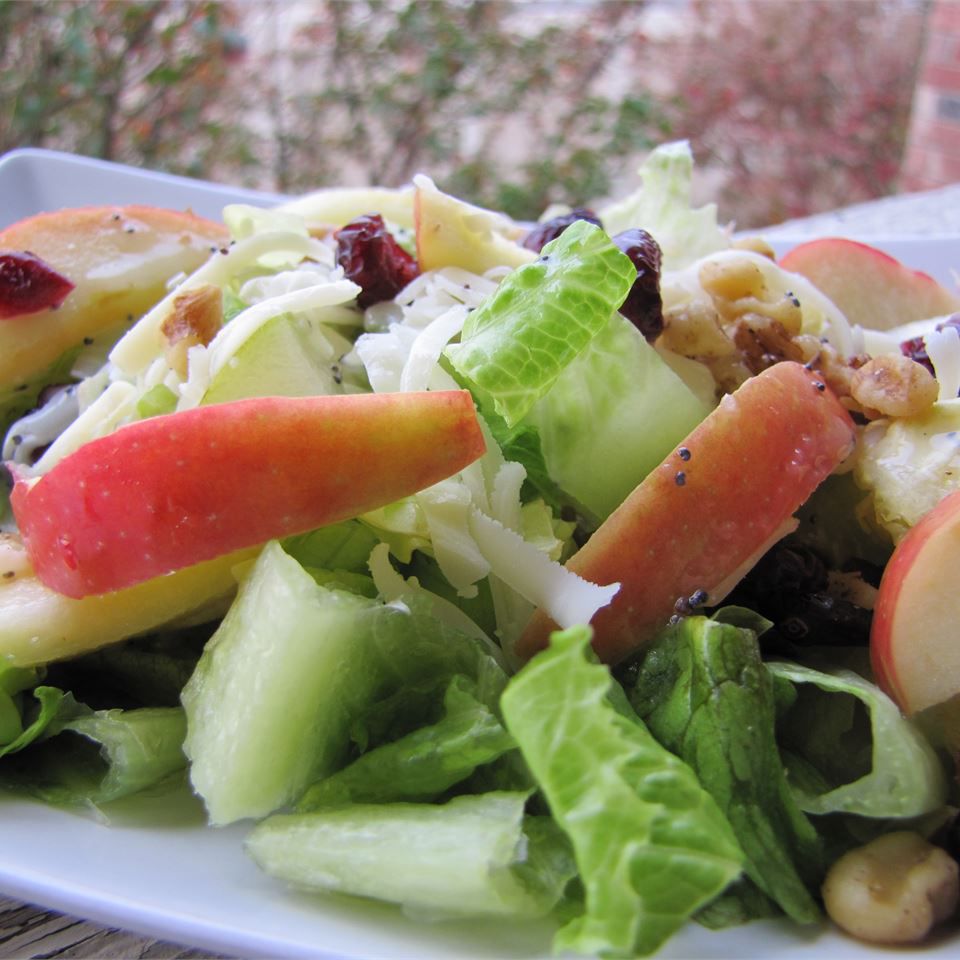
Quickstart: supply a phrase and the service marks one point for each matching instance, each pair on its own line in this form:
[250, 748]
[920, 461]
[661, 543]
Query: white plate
[36, 180]
[155, 868]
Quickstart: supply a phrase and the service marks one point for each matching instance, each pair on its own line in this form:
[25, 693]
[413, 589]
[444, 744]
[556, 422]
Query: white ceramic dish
[156, 869]
[34, 180]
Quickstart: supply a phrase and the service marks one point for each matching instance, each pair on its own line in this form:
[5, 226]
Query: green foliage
[140, 82]
[513, 104]
[512, 110]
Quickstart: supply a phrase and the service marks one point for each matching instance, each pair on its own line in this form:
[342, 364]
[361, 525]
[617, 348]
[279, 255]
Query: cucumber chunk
[262, 718]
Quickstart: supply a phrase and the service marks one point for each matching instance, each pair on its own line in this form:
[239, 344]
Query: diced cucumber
[271, 701]
[613, 414]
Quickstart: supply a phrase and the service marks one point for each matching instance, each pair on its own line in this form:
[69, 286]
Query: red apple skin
[705, 515]
[914, 638]
[119, 259]
[173, 491]
[872, 288]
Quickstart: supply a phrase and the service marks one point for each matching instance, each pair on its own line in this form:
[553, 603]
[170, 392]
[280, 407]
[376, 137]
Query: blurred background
[792, 106]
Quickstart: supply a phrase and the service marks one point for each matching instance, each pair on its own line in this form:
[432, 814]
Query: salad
[493, 571]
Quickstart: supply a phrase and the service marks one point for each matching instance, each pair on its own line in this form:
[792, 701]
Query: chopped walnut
[733, 279]
[196, 317]
[740, 326]
[728, 372]
[893, 386]
[764, 341]
[694, 330]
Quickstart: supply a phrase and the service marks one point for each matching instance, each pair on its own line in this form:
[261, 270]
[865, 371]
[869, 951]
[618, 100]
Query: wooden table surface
[28, 931]
[32, 931]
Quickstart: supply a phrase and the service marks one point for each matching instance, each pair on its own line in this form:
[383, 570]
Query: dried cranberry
[916, 349]
[643, 306]
[27, 284]
[372, 258]
[549, 230]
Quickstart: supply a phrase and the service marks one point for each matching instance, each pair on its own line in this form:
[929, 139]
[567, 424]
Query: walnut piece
[893, 386]
[196, 317]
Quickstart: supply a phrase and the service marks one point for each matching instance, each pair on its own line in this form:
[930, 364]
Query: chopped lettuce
[651, 845]
[705, 694]
[662, 207]
[850, 750]
[147, 671]
[339, 546]
[94, 757]
[522, 445]
[473, 856]
[426, 762]
[27, 707]
[515, 345]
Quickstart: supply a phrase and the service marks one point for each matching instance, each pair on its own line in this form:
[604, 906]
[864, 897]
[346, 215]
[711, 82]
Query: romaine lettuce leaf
[339, 546]
[515, 345]
[88, 757]
[850, 750]
[27, 707]
[472, 856]
[651, 845]
[425, 763]
[662, 207]
[705, 694]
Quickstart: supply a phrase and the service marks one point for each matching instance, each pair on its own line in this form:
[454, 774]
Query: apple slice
[452, 233]
[119, 260]
[175, 490]
[38, 625]
[914, 643]
[700, 520]
[872, 288]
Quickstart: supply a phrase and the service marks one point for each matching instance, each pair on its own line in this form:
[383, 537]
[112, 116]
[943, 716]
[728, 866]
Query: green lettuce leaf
[521, 444]
[472, 856]
[850, 750]
[662, 206]
[651, 845]
[95, 757]
[339, 546]
[27, 707]
[705, 694]
[515, 345]
[425, 763]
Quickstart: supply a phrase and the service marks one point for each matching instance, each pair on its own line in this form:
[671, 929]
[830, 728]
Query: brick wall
[932, 157]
